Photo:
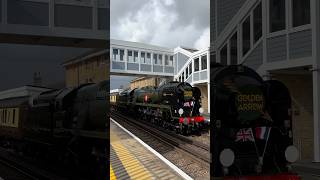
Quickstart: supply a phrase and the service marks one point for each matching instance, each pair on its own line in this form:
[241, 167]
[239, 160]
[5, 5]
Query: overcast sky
[19, 62]
[168, 23]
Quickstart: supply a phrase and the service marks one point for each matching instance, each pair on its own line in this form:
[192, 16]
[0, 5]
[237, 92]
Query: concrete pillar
[316, 114]
[315, 7]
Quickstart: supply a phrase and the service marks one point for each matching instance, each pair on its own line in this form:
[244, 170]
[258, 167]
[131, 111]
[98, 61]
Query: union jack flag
[245, 135]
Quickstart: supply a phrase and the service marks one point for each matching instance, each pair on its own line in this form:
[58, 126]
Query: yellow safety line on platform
[133, 167]
[112, 175]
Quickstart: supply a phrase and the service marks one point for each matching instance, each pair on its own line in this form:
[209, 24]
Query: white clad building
[280, 39]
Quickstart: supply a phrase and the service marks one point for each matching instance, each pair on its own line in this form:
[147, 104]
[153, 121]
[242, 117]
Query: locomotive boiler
[68, 125]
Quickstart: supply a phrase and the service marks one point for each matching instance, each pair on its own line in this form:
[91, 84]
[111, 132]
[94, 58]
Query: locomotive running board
[83, 133]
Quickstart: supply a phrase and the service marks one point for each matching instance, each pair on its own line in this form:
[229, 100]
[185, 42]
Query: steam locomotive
[67, 125]
[173, 105]
[251, 133]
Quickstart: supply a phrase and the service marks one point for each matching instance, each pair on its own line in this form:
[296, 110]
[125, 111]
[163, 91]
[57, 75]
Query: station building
[280, 40]
[148, 61]
[144, 81]
[90, 67]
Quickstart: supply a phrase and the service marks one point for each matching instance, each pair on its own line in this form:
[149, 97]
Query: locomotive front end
[189, 108]
[252, 131]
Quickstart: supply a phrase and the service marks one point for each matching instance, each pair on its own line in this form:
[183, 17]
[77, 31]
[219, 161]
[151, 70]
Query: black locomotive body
[251, 130]
[174, 104]
[68, 124]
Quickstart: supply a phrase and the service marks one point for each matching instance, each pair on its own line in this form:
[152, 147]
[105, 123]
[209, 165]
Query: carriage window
[13, 116]
[277, 15]
[5, 116]
[300, 12]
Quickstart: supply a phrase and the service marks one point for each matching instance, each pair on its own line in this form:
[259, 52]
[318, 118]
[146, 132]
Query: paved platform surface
[129, 159]
[307, 170]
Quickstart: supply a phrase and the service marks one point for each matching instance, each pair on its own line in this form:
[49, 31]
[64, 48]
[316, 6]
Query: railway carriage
[12, 116]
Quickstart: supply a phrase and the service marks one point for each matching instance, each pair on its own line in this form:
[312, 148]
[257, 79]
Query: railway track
[25, 170]
[196, 151]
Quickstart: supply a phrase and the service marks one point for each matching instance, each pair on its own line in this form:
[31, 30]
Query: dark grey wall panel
[168, 69]
[73, 16]
[118, 65]
[255, 59]
[103, 21]
[0, 10]
[157, 68]
[277, 48]
[145, 67]
[27, 12]
[226, 10]
[300, 44]
[133, 66]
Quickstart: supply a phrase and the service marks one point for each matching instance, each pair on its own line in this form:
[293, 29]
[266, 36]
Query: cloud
[204, 40]
[168, 23]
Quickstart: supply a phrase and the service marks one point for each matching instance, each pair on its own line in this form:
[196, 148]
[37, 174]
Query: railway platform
[307, 170]
[130, 158]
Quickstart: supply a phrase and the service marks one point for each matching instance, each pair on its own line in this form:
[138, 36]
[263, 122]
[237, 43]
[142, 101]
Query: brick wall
[94, 69]
[300, 87]
[143, 83]
[204, 96]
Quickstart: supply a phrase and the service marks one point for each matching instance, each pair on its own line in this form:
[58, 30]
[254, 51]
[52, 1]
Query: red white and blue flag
[262, 132]
[245, 135]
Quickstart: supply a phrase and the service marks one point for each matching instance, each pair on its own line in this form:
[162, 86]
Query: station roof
[84, 56]
[27, 90]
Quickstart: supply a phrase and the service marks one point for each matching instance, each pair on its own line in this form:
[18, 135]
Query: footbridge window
[204, 62]
[277, 15]
[246, 43]
[257, 22]
[300, 12]
[196, 65]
